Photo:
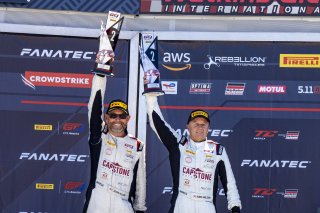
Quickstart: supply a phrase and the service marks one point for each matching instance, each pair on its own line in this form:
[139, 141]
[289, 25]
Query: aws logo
[182, 59]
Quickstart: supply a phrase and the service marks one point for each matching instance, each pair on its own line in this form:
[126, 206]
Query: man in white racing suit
[196, 163]
[118, 173]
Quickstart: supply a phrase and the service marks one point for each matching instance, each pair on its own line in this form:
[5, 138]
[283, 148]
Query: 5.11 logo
[309, 90]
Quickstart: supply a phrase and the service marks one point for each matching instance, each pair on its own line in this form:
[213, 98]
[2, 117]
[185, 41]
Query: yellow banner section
[47, 186]
[300, 60]
[43, 127]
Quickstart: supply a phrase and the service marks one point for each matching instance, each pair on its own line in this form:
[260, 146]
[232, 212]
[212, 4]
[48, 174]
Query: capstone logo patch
[272, 89]
[52, 79]
[53, 157]
[43, 127]
[300, 60]
[196, 173]
[200, 88]
[235, 88]
[116, 168]
[65, 54]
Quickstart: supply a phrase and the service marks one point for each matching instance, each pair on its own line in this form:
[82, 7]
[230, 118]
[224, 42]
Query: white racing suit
[118, 174]
[195, 168]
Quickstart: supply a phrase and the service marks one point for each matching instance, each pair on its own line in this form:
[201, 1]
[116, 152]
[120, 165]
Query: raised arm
[164, 131]
[96, 108]
[95, 115]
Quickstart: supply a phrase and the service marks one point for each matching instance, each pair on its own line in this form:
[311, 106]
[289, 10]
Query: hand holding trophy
[148, 49]
[109, 34]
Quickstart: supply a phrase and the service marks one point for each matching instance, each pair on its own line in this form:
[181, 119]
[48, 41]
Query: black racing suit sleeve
[169, 138]
[95, 117]
[164, 131]
[139, 203]
[228, 182]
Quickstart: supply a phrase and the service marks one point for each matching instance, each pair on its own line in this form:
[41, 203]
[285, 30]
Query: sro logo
[261, 192]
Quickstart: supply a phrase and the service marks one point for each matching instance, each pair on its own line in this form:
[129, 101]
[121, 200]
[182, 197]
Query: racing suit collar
[197, 145]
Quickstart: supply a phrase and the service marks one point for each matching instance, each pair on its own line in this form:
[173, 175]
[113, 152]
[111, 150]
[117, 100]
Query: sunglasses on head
[121, 116]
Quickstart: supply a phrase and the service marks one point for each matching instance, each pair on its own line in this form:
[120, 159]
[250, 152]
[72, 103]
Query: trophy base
[155, 92]
[103, 69]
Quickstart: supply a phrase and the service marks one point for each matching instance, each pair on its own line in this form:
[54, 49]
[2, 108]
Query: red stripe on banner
[187, 107]
[244, 108]
[145, 6]
[56, 103]
[53, 103]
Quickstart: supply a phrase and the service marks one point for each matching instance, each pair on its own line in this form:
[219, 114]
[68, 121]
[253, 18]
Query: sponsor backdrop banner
[44, 90]
[263, 99]
[236, 7]
[100, 6]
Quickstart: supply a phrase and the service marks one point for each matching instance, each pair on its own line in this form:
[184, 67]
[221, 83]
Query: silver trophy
[148, 49]
[109, 34]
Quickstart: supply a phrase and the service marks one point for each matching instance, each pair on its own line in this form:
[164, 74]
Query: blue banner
[263, 99]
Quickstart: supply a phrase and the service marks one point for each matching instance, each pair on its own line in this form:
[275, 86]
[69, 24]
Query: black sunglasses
[121, 116]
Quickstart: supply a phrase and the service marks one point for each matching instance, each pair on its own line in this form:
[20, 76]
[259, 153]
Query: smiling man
[118, 173]
[196, 163]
